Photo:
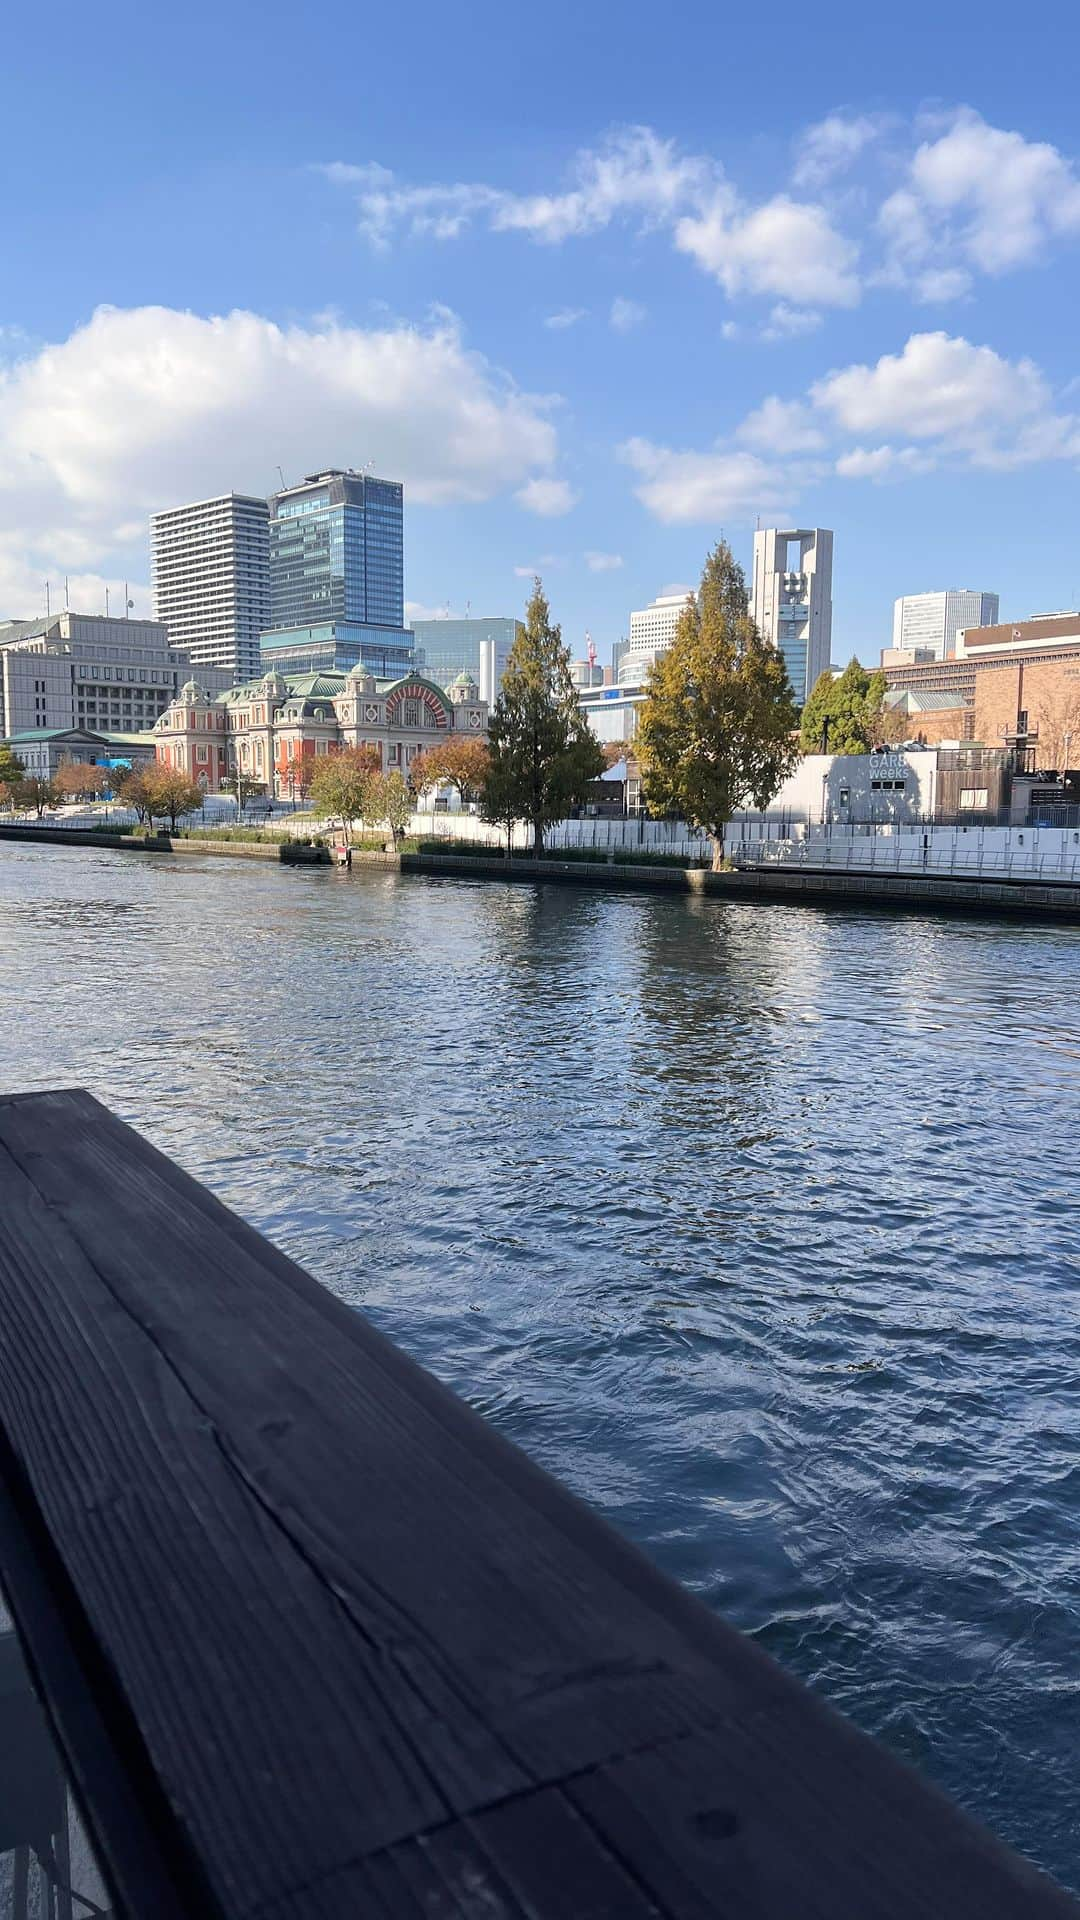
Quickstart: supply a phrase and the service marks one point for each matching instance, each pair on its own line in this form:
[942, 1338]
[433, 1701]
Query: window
[974, 797]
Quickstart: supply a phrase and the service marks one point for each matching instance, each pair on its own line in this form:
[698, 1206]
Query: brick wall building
[1014, 681]
[269, 727]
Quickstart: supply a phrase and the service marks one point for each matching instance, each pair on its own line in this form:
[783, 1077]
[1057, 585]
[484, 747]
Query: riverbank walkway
[316, 1641]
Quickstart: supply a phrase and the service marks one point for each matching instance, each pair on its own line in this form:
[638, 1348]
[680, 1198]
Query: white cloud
[788, 323]
[15, 343]
[967, 198]
[633, 174]
[625, 314]
[979, 196]
[416, 610]
[940, 401]
[547, 496]
[143, 408]
[781, 426]
[937, 285]
[681, 486]
[880, 463]
[834, 144]
[566, 317]
[676, 590]
[943, 388]
[786, 247]
[25, 569]
[603, 562]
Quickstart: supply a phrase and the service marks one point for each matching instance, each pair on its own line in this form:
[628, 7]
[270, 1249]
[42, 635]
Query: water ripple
[755, 1224]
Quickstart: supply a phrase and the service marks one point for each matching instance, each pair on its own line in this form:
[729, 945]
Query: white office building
[652, 630]
[791, 599]
[612, 712]
[211, 576]
[930, 622]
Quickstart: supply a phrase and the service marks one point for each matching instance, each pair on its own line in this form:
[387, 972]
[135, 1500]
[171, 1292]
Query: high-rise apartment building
[337, 576]
[210, 563]
[791, 599]
[930, 622]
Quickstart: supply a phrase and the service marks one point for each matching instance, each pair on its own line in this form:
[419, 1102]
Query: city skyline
[589, 331]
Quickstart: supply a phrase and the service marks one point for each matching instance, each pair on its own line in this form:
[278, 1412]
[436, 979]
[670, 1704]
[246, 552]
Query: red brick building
[1011, 683]
[268, 729]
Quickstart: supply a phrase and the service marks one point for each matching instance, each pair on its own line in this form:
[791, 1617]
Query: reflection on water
[755, 1224]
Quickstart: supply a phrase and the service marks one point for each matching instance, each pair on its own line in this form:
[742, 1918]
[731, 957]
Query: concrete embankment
[289, 854]
[914, 892]
[801, 886]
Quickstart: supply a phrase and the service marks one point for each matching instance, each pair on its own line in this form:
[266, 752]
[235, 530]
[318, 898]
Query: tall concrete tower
[791, 598]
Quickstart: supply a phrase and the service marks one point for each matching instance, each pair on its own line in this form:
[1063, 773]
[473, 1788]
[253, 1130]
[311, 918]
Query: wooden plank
[349, 1650]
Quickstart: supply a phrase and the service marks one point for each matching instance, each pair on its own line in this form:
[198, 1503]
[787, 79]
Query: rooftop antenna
[281, 477]
[46, 600]
[67, 604]
[106, 603]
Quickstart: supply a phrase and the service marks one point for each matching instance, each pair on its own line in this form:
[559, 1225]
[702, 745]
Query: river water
[758, 1225]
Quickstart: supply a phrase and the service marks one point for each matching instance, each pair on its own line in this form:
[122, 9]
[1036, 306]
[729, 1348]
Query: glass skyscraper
[479, 647]
[337, 552]
[337, 571]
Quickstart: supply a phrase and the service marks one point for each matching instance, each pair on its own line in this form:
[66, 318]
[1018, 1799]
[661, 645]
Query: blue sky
[596, 283]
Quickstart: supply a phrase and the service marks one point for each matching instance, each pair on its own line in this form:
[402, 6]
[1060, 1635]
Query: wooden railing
[316, 1641]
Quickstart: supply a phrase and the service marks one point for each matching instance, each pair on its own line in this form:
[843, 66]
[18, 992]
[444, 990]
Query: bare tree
[1059, 732]
[32, 791]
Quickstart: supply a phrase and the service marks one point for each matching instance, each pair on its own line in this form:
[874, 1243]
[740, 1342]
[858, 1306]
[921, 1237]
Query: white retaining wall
[1039, 853]
[1016, 853]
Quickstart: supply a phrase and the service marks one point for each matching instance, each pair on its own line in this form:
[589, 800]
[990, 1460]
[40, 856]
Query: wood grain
[347, 1651]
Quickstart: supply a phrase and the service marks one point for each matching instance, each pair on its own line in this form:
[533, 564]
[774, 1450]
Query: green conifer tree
[816, 722]
[848, 732]
[717, 728]
[544, 755]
